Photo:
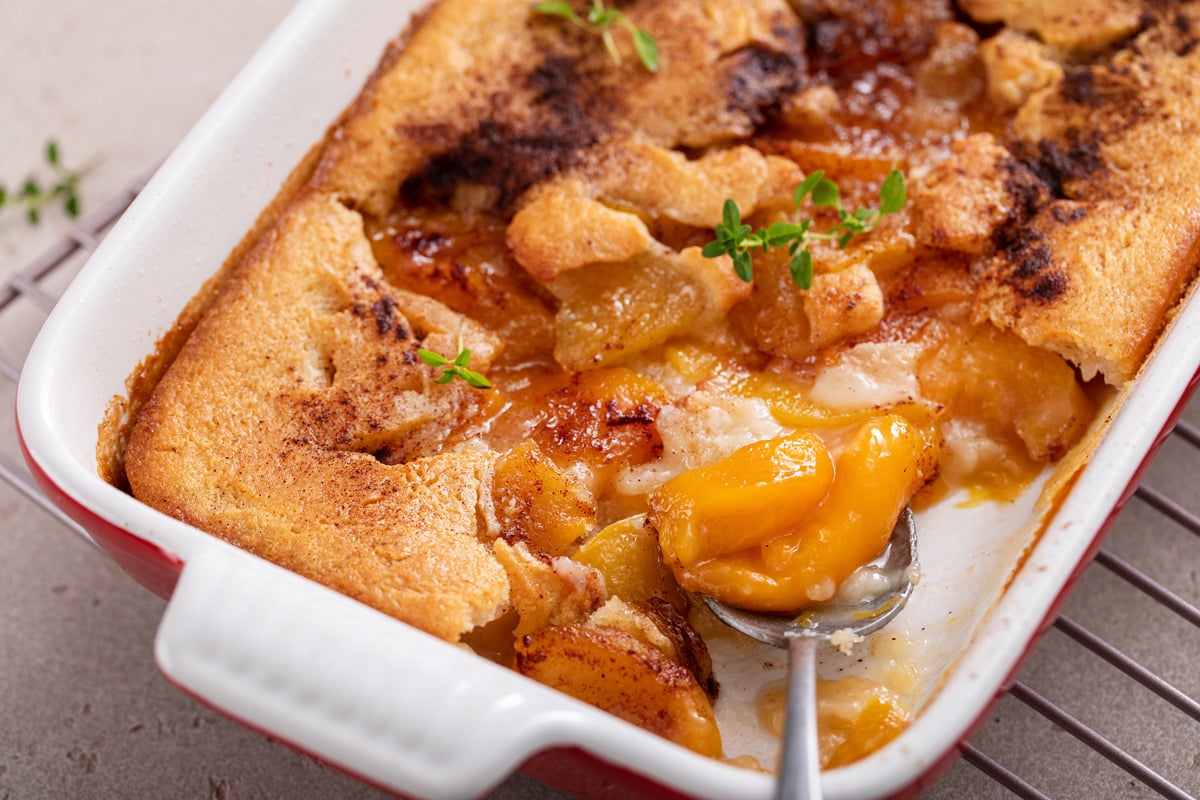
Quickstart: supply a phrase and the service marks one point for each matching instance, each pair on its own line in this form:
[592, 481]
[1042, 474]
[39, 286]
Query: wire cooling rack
[1106, 706]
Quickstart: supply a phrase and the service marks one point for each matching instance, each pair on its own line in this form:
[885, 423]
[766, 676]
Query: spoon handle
[800, 764]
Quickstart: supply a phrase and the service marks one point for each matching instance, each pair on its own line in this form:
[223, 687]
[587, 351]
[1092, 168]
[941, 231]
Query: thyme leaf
[455, 369]
[33, 196]
[601, 20]
[739, 241]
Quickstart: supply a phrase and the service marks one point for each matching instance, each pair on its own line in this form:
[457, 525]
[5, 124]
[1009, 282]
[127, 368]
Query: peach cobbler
[581, 310]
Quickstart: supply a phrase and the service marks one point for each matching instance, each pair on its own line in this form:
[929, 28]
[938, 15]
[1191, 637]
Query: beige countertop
[85, 714]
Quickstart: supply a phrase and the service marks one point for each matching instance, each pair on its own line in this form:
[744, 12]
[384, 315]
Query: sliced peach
[1026, 400]
[538, 503]
[804, 558]
[626, 553]
[601, 417]
[617, 672]
[609, 312]
[759, 492]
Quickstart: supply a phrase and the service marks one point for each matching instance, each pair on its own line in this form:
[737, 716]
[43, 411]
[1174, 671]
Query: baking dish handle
[346, 684]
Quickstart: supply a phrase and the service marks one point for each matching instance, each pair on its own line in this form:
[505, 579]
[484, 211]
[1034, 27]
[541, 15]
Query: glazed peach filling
[1006, 408]
[1010, 408]
[779, 525]
[774, 525]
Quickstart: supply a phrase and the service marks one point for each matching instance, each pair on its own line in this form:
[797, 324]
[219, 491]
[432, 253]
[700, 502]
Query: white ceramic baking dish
[395, 706]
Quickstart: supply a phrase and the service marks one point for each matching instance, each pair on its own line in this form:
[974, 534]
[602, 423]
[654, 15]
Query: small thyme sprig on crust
[34, 197]
[738, 241]
[600, 20]
[455, 369]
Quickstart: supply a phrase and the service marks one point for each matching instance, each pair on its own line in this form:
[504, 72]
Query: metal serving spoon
[893, 574]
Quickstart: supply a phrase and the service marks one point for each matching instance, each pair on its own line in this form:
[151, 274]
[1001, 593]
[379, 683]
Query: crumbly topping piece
[1072, 27]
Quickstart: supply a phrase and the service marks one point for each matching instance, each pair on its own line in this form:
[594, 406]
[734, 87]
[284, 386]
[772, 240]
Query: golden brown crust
[273, 424]
[1094, 273]
[114, 431]
[489, 95]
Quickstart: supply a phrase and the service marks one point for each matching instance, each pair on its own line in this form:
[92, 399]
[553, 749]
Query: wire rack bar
[1188, 432]
[29, 289]
[1101, 745]
[9, 368]
[1134, 576]
[1170, 508]
[1001, 774]
[1129, 666]
[87, 234]
[19, 478]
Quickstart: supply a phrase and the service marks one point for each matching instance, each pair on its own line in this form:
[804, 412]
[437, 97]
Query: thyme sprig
[34, 197]
[601, 20]
[456, 368]
[739, 241]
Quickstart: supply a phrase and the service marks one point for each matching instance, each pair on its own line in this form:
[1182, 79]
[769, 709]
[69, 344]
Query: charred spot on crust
[556, 85]
[1030, 267]
[1100, 86]
[1058, 165]
[1188, 38]
[1067, 214]
[1021, 251]
[761, 79]
[498, 155]
[1046, 287]
[1079, 161]
[536, 132]
[384, 311]
[1029, 257]
[1079, 86]
[1028, 193]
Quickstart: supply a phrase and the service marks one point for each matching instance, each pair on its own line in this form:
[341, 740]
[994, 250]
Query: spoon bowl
[881, 589]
